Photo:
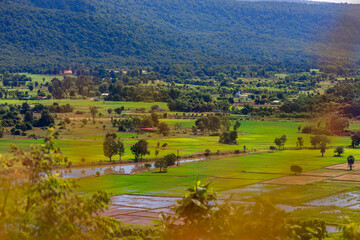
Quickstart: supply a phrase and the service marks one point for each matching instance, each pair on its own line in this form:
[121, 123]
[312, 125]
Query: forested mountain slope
[114, 33]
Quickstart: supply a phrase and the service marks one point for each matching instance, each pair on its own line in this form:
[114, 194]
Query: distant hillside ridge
[113, 33]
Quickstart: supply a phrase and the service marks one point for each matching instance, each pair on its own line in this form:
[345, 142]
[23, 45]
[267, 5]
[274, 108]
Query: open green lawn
[39, 77]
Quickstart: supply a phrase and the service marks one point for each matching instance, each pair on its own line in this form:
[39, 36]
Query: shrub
[296, 169]
[207, 152]
[170, 159]
[147, 165]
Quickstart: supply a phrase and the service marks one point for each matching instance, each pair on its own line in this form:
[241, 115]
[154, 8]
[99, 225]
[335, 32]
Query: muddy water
[157, 204]
[349, 199]
[113, 169]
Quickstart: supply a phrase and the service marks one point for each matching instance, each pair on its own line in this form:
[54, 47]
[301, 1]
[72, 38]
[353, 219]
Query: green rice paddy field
[257, 135]
[225, 173]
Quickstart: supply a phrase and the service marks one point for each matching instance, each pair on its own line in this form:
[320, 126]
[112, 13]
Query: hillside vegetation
[60, 33]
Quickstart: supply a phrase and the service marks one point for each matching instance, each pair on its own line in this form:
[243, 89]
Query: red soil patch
[343, 166]
[348, 177]
[323, 173]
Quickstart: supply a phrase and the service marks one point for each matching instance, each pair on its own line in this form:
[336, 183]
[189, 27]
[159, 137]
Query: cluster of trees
[318, 141]
[228, 137]
[14, 80]
[342, 98]
[10, 117]
[178, 98]
[210, 123]
[71, 86]
[56, 108]
[166, 161]
[135, 123]
[334, 125]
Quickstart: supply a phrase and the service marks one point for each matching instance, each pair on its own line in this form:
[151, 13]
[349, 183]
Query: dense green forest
[56, 34]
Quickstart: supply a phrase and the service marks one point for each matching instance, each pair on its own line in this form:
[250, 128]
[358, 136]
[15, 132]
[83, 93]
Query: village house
[239, 95]
[67, 72]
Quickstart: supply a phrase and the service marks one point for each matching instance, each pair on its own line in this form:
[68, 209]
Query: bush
[296, 169]
[170, 159]
[67, 120]
[315, 130]
[207, 152]
[79, 112]
[237, 151]
[15, 131]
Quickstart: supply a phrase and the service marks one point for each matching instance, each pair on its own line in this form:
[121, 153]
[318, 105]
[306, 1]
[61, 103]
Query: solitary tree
[110, 147]
[339, 150]
[140, 149]
[201, 127]
[119, 110]
[155, 119]
[194, 130]
[237, 125]
[161, 164]
[300, 142]
[164, 128]
[322, 148]
[351, 161]
[93, 112]
[170, 159]
[280, 142]
[110, 110]
[120, 148]
[28, 117]
[355, 139]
